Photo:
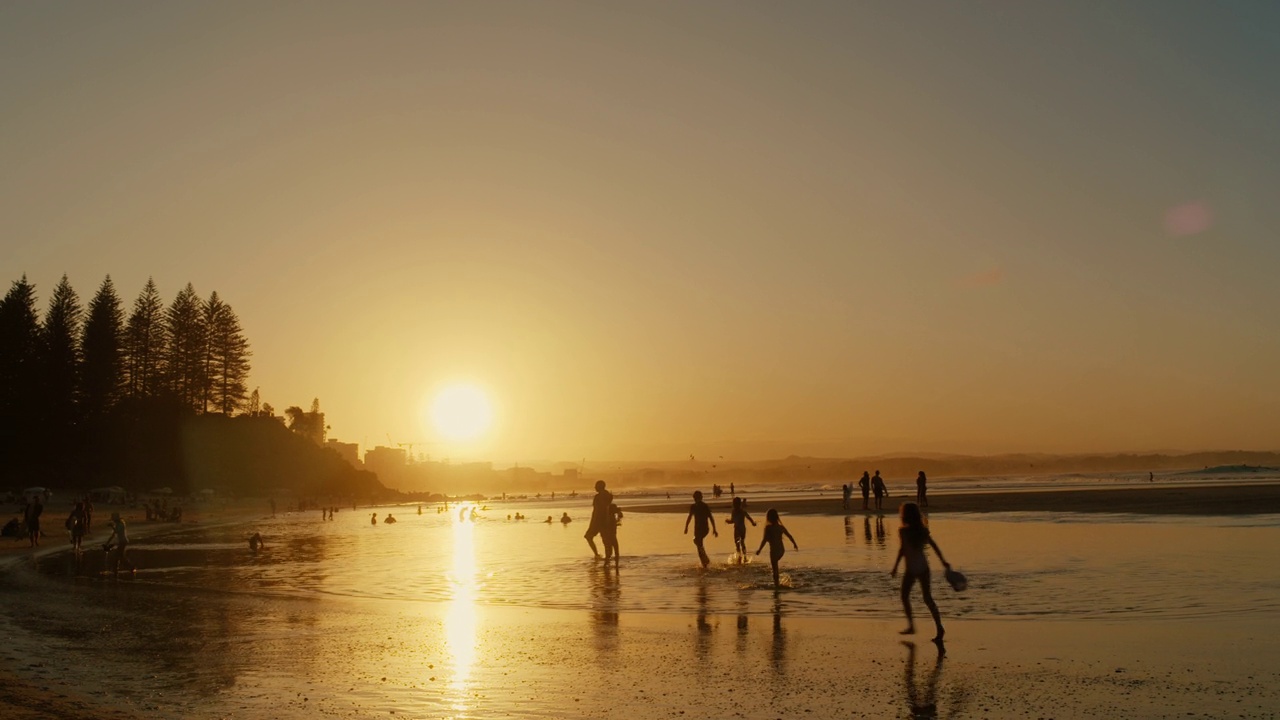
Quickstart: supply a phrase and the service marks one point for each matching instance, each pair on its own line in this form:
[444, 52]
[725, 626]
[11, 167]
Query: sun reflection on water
[461, 619]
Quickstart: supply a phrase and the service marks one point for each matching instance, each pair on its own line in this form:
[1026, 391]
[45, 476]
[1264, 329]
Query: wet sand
[126, 649]
[1157, 500]
[513, 662]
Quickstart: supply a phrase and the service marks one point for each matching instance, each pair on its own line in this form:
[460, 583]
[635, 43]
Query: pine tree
[226, 359]
[102, 348]
[19, 372]
[60, 359]
[185, 333]
[144, 344]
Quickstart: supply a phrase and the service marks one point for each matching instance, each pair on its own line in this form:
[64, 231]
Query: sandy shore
[1158, 500]
[513, 662]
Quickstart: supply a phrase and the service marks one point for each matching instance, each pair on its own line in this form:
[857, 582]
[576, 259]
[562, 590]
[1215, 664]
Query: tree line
[67, 372]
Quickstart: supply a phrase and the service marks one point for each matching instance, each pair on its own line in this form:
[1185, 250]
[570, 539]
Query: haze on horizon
[649, 230]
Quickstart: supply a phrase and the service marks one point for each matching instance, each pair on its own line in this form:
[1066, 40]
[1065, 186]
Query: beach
[1068, 614]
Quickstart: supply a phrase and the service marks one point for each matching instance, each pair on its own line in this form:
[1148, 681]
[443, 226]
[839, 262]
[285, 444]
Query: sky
[647, 230]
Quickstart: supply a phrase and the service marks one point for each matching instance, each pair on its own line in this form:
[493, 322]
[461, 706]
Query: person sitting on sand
[700, 513]
[774, 531]
[913, 536]
[739, 517]
[120, 536]
[256, 543]
[565, 519]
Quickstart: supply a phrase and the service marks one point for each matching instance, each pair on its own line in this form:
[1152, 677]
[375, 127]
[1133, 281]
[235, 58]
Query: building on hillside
[347, 451]
[385, 462]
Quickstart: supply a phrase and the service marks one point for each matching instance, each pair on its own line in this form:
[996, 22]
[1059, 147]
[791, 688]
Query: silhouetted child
[609, 533]
[120, 537]
[774, 531]
[914, 536]
[739, 517]
[700, 513]
[256, 543]
[373, 519]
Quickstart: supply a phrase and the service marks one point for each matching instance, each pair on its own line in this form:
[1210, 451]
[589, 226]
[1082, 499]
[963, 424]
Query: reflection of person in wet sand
[923, 705]
[774, 531]
[739, 517]
[913, 537]
[700, 513]
[599, 516]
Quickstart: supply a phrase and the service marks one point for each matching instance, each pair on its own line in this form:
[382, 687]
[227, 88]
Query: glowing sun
[461, 412]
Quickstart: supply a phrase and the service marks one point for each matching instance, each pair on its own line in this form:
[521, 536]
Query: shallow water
[1018, 564]
[440, 617]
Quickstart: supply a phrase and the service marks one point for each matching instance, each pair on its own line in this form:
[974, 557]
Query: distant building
[347, 451]
[571, 474]
[385, 461]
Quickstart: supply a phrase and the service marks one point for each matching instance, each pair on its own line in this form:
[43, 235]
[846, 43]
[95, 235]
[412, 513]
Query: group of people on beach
[913, 537]
[870, 485]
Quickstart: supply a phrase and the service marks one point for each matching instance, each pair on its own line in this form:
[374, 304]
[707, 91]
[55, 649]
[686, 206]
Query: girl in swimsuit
[913, 536]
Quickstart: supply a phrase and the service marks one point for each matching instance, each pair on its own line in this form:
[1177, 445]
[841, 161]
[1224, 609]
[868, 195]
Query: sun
[461, 413]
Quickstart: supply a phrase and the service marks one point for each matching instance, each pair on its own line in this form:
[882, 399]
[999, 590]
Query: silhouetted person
[733, 491]
[846, 492]
[373, 519]
[88, 514]
[256, 543]
[739, 517]
[600, 516]
[864, 484]
[389, 520]
[120, 535]
[549, 520]
[564, 518]
[913, 536]
[878, 489]
[75, 525]
[609, 534]
[700, 513]
[31, 516]
[420, 507]
[922, 497]
[774, 531]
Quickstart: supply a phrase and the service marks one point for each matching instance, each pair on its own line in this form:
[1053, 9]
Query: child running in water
[701, 513]
[739, 517]
[774, 531]
[913, 537]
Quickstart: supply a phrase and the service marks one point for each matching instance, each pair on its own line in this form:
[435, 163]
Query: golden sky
[655, 229]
